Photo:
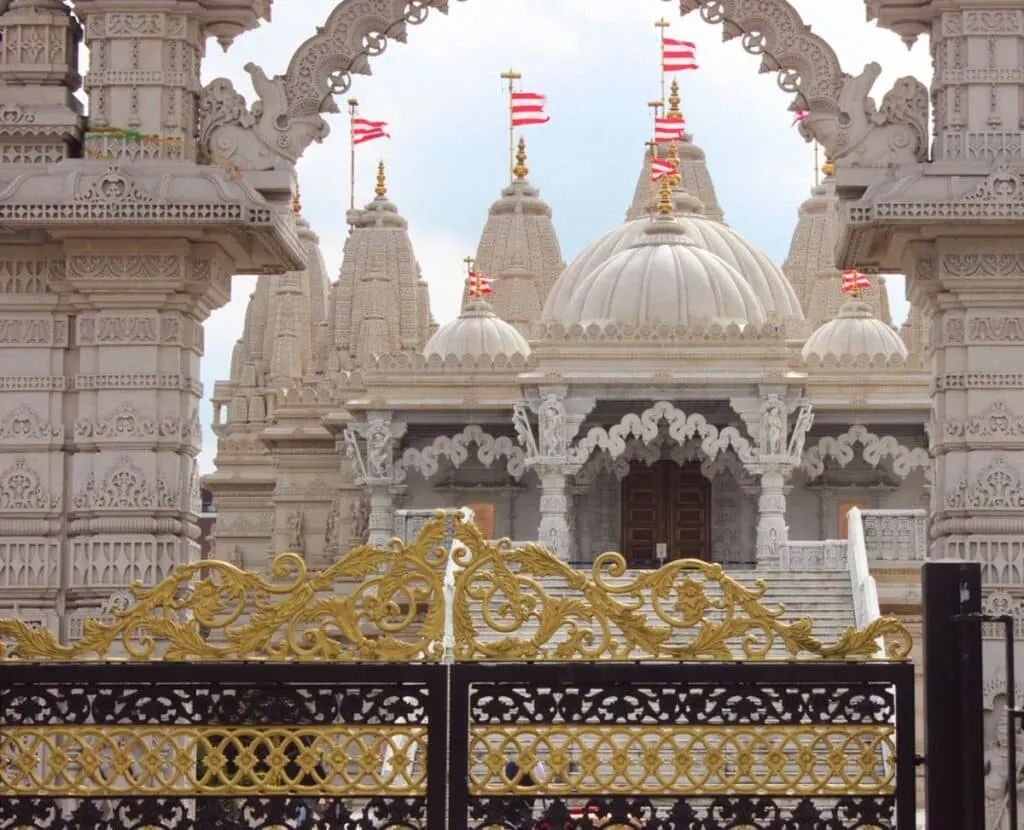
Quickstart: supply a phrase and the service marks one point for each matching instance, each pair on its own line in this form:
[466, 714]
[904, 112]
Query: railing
[865, 592]
[896, 535]
[829, 555]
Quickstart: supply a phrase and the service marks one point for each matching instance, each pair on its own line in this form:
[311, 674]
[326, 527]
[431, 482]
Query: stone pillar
[40, 116]
[772, 530]
[144, 70]
[553, 532]
[133, 481]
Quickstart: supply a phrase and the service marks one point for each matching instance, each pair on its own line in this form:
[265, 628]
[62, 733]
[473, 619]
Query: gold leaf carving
[508, 603]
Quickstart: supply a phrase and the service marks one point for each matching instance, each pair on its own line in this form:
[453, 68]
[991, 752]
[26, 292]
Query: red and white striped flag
[479, 285]
[799, 117]
[854, 281]
[364, 130]
[661, 168]
[528, 109]
[667, 130]
[678, 55]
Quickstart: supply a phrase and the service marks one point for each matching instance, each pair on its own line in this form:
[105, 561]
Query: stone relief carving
[295, 526]
[21, 488]
[551, 427]
[996, 423]
[25, 424]
[646, 427]
[998, 487]
[112, 186]
[124, 487]
[426, 460]
[332, 530]
[361, 520]
[524, 430]
[773, 426]
[875, 449]
[841, 115]
[662, 447]
[379, 436]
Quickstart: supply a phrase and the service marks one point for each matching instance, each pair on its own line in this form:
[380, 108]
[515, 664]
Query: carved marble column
[372, 444]
[137, 340]
[144, 71]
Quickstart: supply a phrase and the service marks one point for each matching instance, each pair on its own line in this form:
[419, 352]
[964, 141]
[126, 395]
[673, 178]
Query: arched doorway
[668, 504]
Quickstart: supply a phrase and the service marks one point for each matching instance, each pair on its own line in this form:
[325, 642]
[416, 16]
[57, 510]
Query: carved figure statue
[296, 540]
[524, 430]
[267, 136]
[858, 134]
[552, 427]
[773, 426]
[332, 533]
[379, 459]
[360, 520]
[803, 425]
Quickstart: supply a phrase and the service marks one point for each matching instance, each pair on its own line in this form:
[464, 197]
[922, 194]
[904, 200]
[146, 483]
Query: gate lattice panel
[450, 686]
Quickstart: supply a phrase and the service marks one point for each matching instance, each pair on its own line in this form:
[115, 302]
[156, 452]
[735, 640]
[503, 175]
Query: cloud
[597, 61]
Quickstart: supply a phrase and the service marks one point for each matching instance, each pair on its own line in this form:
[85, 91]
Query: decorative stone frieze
[874, 450]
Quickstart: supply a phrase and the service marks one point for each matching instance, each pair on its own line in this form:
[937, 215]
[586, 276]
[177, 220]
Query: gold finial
[829, 167]
[520, 171]
[297, 200]
[673, 156]
[673, 101]
[662, 24]
[382, 189]
[665, 203]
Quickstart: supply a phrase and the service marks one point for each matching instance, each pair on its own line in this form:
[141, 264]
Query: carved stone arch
[874, 450]
[647, 426]
[426, 460]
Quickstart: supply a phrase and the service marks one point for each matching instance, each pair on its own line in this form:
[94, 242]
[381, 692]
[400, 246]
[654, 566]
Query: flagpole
[353, 108]
[511, 76]
[662, 25]
[653, 145]
[817, 168]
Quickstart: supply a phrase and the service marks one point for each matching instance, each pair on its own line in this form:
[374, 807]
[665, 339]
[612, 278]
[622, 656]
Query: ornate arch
[426, 460]
[652, 452]
[646, 427]
[874, 451]
[288, 117]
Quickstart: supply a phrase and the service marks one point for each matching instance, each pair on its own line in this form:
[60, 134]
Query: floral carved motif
[25, 424]
[21, 489]
[996, 423]
[998, 487]
[126, 422]
[426, 460]
[124, 487]
[113, 186]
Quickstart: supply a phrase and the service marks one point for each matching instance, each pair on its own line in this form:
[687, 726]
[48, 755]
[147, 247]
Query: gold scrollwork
[100, 761]
[509, 603]
[803, 760]
[686, 610]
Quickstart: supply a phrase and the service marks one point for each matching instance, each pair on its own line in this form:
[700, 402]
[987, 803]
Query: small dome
[477, 332]
[664, 278]
[771, 287]
[855, 332]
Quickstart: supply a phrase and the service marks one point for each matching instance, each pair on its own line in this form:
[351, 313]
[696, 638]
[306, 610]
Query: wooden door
[668, 503]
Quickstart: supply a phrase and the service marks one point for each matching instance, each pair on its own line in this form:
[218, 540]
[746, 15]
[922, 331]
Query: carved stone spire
[519, 248]
[811, 263]
[380, 303]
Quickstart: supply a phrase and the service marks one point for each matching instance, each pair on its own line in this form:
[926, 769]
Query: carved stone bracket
[455, 449]
[371, 445]
[875, 450]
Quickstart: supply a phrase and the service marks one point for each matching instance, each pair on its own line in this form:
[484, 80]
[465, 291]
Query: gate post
[954, 775]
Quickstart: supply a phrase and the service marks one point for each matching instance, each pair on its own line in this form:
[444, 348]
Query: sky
[597, 61]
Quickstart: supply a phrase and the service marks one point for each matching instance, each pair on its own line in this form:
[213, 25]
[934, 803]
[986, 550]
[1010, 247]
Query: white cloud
[597, 61]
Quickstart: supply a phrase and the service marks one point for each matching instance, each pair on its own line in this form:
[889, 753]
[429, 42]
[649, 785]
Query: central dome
[754, 266]
[663, 279]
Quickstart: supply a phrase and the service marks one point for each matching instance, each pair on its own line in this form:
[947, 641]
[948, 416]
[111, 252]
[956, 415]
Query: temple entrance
[665, 503]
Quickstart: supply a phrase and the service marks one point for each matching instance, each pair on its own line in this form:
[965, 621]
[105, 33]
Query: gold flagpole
[353, 108]
[662, 25]
[511, 76]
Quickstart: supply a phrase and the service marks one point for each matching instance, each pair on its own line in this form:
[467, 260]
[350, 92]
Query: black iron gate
[420, 688]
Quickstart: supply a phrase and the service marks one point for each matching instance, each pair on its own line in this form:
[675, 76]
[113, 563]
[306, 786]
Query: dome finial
[382, 189]
[673, 102]
[829, 168]
[665, 203]
[520, 171]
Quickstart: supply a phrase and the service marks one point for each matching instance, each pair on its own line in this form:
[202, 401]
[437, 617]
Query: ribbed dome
[855, 332]
[769, 284]
[477, 332]
[663, 279]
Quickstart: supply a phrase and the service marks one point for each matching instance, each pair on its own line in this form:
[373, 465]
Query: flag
[854, 281]
[661, 168]
[528, 109]
[677, 55]
[479, 285]
[799, 117]
[364, 130]
[667, 130]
